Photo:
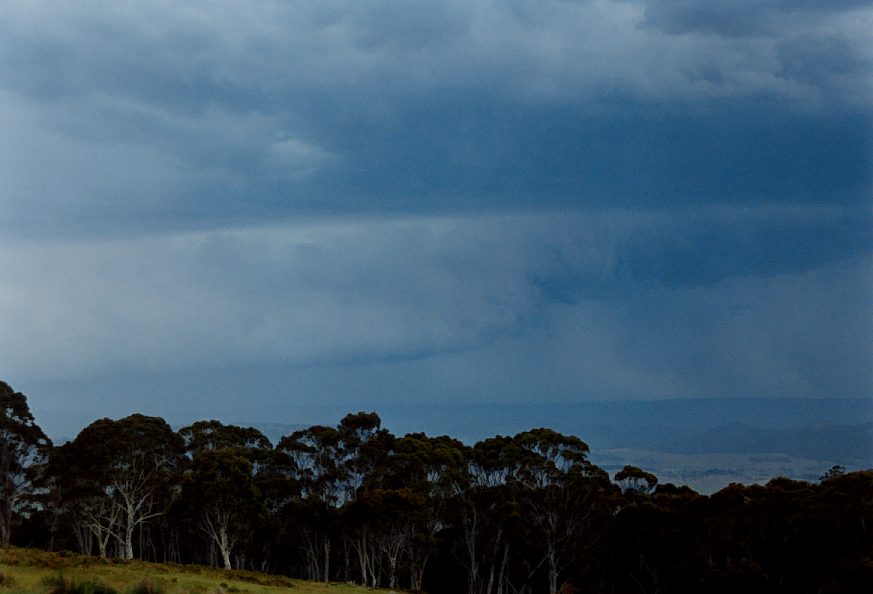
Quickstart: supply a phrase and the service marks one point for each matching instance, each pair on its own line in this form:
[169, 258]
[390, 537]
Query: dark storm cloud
[558, 158]
[217, 114]
[603, 199]
[737, 18]
[703, 249]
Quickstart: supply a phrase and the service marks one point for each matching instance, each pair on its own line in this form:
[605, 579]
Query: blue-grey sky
[242, 208]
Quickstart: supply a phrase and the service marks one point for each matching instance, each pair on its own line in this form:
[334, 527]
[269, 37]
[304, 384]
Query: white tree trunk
[216, 524]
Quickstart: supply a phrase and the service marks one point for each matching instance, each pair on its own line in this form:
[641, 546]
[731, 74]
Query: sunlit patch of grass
[34, 569]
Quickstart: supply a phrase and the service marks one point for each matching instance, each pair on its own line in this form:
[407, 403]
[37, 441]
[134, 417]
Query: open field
[30, 571]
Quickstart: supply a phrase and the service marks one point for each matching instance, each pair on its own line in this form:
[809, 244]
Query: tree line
[352, 502]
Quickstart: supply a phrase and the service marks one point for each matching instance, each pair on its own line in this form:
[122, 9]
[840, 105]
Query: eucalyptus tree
[279, 486]
[655, 544]
[537, 486]
[632, 479]
[331, 464]
[397, 512]
[389, 512]
[125, 466]
[427, 467]
[364, 450]
[214, 435]
[364, 446]
[23, 448]
[563, 493]
[483, 507]
[93, 515]
[313, 455]
[220, 492]
[273, 474]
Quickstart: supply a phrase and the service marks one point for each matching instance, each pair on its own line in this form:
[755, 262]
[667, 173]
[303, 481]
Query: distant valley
[704, 443]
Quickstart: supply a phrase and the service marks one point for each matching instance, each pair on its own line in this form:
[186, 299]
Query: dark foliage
[527, 514]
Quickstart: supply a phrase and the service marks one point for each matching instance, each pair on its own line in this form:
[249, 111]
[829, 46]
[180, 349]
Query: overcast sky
[238, 208]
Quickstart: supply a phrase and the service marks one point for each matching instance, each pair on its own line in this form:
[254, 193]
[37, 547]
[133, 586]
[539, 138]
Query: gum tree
[220, 493]
[127, 464]
[23, 447]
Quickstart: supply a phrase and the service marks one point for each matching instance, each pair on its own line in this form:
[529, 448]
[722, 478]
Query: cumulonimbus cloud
[131, 117]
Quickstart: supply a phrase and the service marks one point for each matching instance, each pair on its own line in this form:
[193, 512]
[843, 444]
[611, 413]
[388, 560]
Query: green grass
[31, 571]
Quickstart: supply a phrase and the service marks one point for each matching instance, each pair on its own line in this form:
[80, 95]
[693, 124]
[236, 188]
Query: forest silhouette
[354, 503]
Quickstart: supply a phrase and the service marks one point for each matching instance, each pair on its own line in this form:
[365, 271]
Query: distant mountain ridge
[846, 444]
[702, 453]
[837, 427]
[833, 430]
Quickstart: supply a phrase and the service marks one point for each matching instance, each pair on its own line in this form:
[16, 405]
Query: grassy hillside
[30, 571]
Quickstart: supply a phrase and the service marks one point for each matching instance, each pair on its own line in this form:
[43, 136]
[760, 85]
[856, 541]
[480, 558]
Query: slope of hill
[31, 571]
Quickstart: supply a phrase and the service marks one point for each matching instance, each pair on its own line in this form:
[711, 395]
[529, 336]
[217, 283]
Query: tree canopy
[23, 447]
[352, 502]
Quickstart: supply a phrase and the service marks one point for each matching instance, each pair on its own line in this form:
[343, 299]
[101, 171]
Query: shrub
[147, 586]
[61, 585]
[6, 580]
[276, 581]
